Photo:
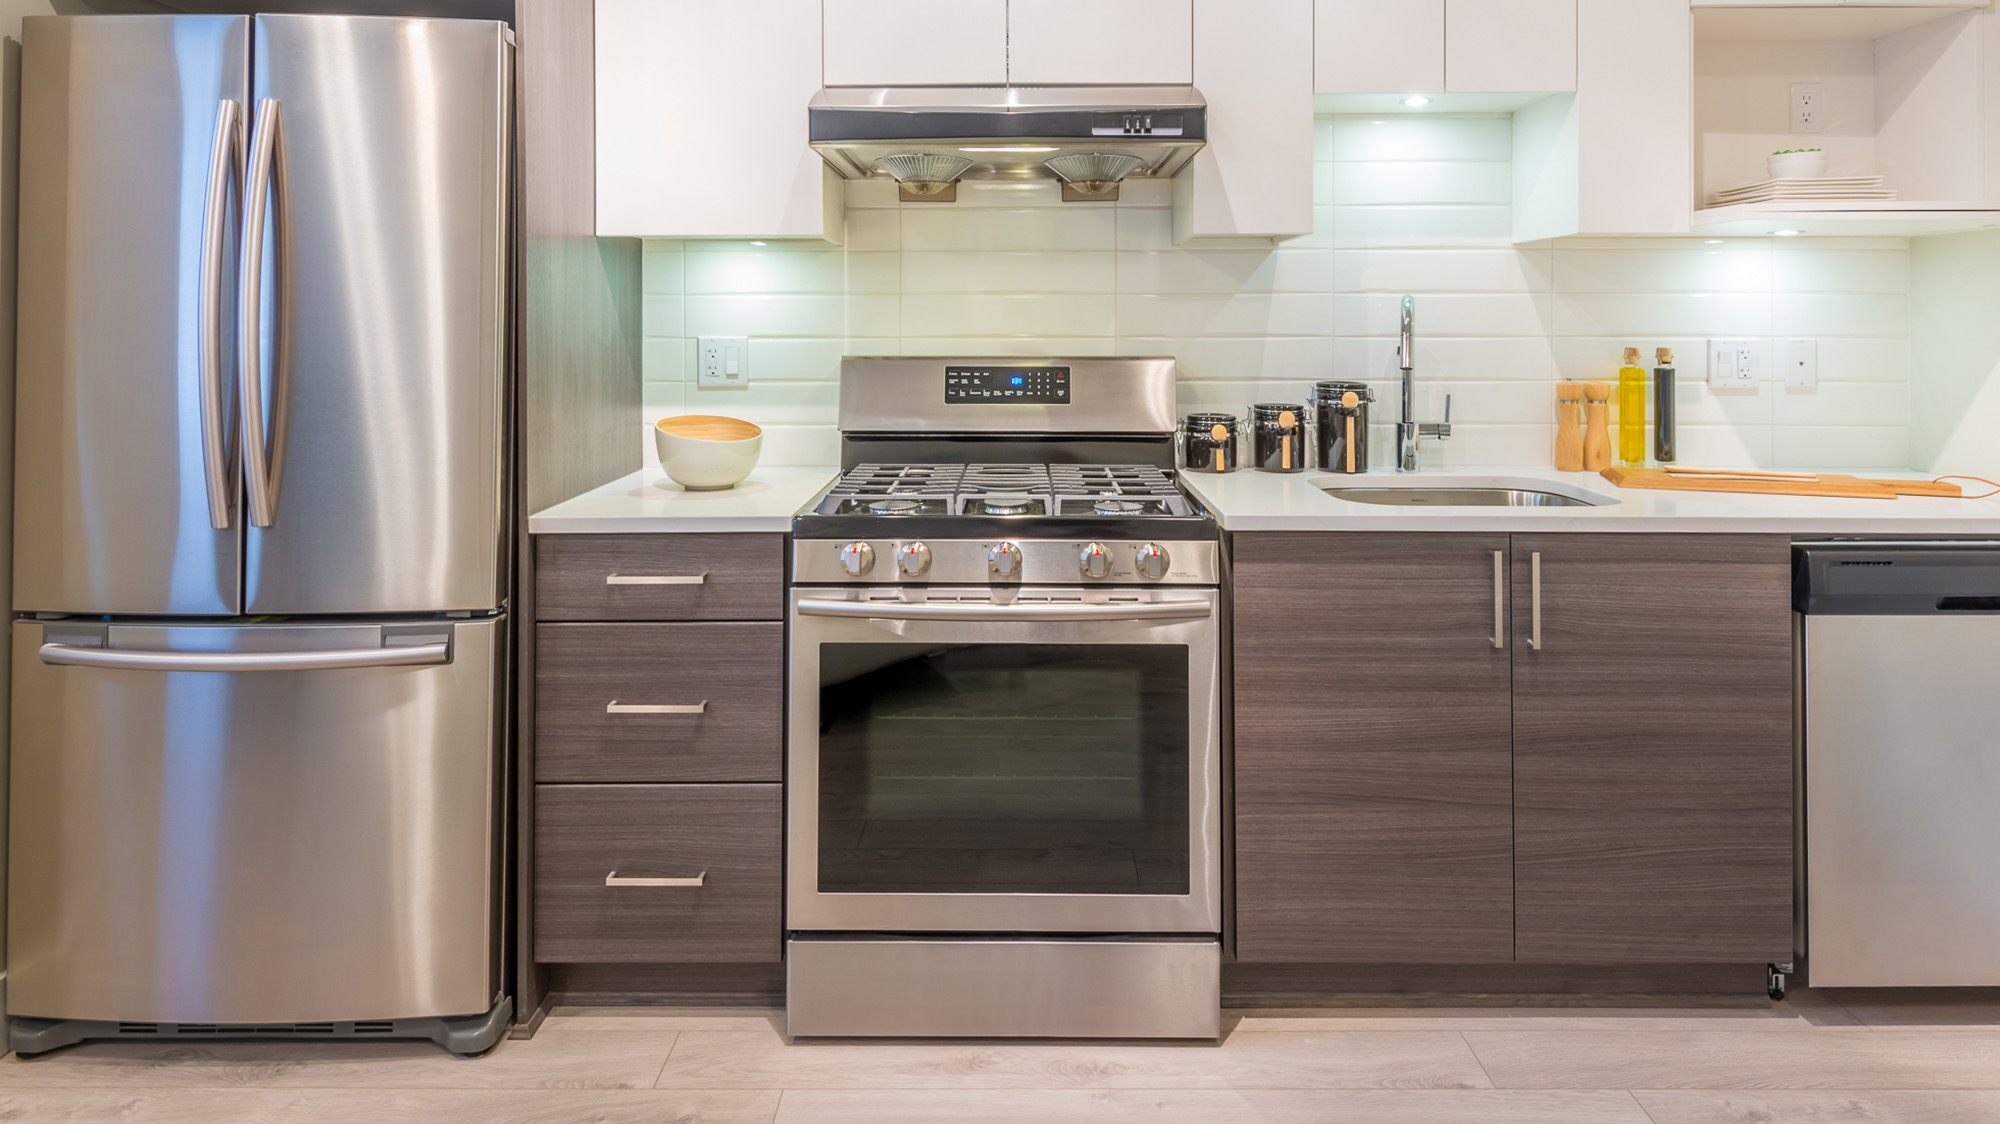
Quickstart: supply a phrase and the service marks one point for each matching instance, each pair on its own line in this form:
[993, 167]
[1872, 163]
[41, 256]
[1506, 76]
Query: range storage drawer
[659, 577]
[694, 872]
[658, 703]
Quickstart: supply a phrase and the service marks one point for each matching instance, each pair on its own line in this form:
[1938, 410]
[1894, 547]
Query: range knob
[1095, 560]
[1004, 561]
[857, 558]
[913, 558]
[1152, 560]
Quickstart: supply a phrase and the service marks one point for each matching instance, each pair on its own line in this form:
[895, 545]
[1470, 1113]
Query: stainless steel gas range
[1005, 735]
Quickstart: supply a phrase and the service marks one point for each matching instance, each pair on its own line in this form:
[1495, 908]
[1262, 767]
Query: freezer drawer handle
[655, 579]
[612, 879]
[131, 659]
[1018, 611]
[616, 707]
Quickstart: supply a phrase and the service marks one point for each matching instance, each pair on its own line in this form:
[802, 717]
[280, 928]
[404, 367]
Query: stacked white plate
[1850, 188]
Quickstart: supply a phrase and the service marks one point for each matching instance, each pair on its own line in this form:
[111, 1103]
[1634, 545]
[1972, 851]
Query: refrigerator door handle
[263, 457]
[131, 659]
[224, 166]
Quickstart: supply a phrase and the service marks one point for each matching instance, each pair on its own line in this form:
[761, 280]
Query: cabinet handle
[1499, 599]
[616, 707]
[1535, 600]
[655, 579]
[612, 879]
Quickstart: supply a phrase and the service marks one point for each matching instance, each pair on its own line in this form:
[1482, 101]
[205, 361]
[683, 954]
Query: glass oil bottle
[1631, 410]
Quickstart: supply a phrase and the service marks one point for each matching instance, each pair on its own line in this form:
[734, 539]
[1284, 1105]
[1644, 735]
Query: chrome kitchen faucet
[1409, 431]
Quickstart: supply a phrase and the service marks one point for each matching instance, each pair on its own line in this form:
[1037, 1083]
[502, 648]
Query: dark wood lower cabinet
[731, 835]
[1373, 750]
[1653, 749]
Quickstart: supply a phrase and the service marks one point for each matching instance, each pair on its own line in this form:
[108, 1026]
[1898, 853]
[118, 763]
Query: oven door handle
[1016, 611]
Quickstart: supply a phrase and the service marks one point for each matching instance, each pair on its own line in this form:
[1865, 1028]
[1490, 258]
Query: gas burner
[1117, 507]
[894, 507]
[996, 503]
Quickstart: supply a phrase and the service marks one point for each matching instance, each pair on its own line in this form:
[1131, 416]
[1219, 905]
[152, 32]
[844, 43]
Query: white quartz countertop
[647, 502]
[1248, 500]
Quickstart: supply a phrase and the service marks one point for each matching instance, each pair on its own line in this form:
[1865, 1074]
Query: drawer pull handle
[616, 707]
[655, 579]
[612, 879]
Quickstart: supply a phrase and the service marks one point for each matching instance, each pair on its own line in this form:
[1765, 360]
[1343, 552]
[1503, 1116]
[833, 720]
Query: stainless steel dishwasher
[1899, 678]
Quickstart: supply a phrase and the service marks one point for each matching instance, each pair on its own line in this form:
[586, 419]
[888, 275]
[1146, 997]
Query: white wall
[1417, 204]
[1955, 342]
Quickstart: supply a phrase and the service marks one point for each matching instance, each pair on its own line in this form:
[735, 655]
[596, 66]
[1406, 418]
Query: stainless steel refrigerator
[259, 651]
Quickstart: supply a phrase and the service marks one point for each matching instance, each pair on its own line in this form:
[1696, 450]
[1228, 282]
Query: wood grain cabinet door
[1373, 749]
[1653, 749]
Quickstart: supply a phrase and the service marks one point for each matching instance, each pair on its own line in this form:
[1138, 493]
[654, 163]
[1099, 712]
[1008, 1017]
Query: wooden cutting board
[1826, 484]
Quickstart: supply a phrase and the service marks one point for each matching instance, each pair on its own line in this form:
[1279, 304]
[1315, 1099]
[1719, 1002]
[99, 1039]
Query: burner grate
[1005, 490]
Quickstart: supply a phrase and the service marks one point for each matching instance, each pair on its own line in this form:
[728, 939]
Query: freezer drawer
[257, 839]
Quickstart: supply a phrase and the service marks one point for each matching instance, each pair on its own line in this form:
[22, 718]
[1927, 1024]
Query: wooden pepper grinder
[1597, 432]
[1569, 434]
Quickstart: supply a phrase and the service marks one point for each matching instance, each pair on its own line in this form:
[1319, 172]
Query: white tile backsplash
[1403, 203]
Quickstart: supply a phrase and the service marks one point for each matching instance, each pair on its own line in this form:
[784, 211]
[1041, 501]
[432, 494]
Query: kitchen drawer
[662, 577]
[730, 836]
[734, 672]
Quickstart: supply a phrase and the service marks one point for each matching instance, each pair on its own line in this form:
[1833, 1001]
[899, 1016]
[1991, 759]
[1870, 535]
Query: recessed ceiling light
[1416, 101]
[1787, 233]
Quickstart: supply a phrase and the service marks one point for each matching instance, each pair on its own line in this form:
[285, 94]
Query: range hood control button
[1152, 560]
[1095, 561]
[1004, 561]
[913, 559]
[857, 558]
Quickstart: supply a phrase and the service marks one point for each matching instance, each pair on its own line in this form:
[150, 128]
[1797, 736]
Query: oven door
[1018, 760]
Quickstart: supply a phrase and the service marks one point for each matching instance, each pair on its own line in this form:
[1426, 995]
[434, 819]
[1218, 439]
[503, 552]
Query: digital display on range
[1006, 384]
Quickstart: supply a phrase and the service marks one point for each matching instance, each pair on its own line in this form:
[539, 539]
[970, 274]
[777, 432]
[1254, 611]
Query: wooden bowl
[701, 452]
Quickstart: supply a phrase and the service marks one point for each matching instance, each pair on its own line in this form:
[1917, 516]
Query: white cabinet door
[1254, 177]
[1378, 46]
[911, 42]
[1100, 42]
[698, 140]
[1510, 46]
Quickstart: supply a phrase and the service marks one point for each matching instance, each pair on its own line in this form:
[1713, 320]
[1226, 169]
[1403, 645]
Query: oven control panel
[1004, 562]
[986, 385]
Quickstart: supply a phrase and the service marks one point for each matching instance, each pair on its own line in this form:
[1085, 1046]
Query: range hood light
[1011, 148]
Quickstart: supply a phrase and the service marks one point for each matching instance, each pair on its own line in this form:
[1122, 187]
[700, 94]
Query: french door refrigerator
[259, 647]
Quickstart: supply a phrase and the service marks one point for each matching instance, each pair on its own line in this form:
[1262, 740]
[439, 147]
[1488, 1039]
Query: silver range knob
[857, 558]
[1152, 560]
[913, 558]
[1004, 561]
[1095, 561]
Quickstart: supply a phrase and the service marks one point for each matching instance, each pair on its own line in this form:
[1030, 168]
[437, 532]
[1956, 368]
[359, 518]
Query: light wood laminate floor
[1817, 1058]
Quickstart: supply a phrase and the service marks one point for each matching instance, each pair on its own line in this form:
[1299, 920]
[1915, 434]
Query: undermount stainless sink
[1458, 497]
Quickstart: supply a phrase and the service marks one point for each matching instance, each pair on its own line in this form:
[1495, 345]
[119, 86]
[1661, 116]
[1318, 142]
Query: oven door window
[1003, 769]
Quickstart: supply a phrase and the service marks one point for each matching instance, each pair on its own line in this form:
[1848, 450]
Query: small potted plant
[1797, 164]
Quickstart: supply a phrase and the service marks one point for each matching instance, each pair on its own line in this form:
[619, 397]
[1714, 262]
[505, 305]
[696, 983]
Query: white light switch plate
[1801, 360]
[1735, 364]
[722, 361]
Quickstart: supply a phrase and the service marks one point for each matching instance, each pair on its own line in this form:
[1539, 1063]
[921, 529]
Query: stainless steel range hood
[1008, 132]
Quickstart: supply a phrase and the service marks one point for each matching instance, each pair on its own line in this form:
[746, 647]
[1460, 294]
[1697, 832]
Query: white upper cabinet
[1509, 46]
[1101, 42]
[1378, 46]
[697, 140]
[1444, 46]
[907, 42]
[1254, 177]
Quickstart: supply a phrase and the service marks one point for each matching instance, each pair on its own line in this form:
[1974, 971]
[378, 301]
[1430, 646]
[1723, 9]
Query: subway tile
[1840, 314]
[874, 272]
[1422, 226]
[1197, 270]
[1699, 315]
[1502, 359]
[1224, 314]
[1812, 269]
[661, 314]
[769, 403]
[1027, 228]
[1842, 403]
[1709, 269]
[988, 314]
[808, 360]
[1474, 445]
[1285, 365]
[765, 314]
[757, 271]
[1008, 346]
[1597, 358]
[1495, 270]
[1007, 195]
[1411, 183]
[870, 193]
[1395, 137]
[1144, 191]
[1864, 360]
[1322, 139]
[870, 229]
[800, 446]
[660, 267]
[1048, 272]
[1841, 446]
[1725, 446]
[1443, 314]
[1323, 177]
[664, 359]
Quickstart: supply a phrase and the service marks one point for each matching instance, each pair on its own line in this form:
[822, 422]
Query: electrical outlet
[1801, 364]
[722, 361]
[1806, 117]
[1735, 364]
